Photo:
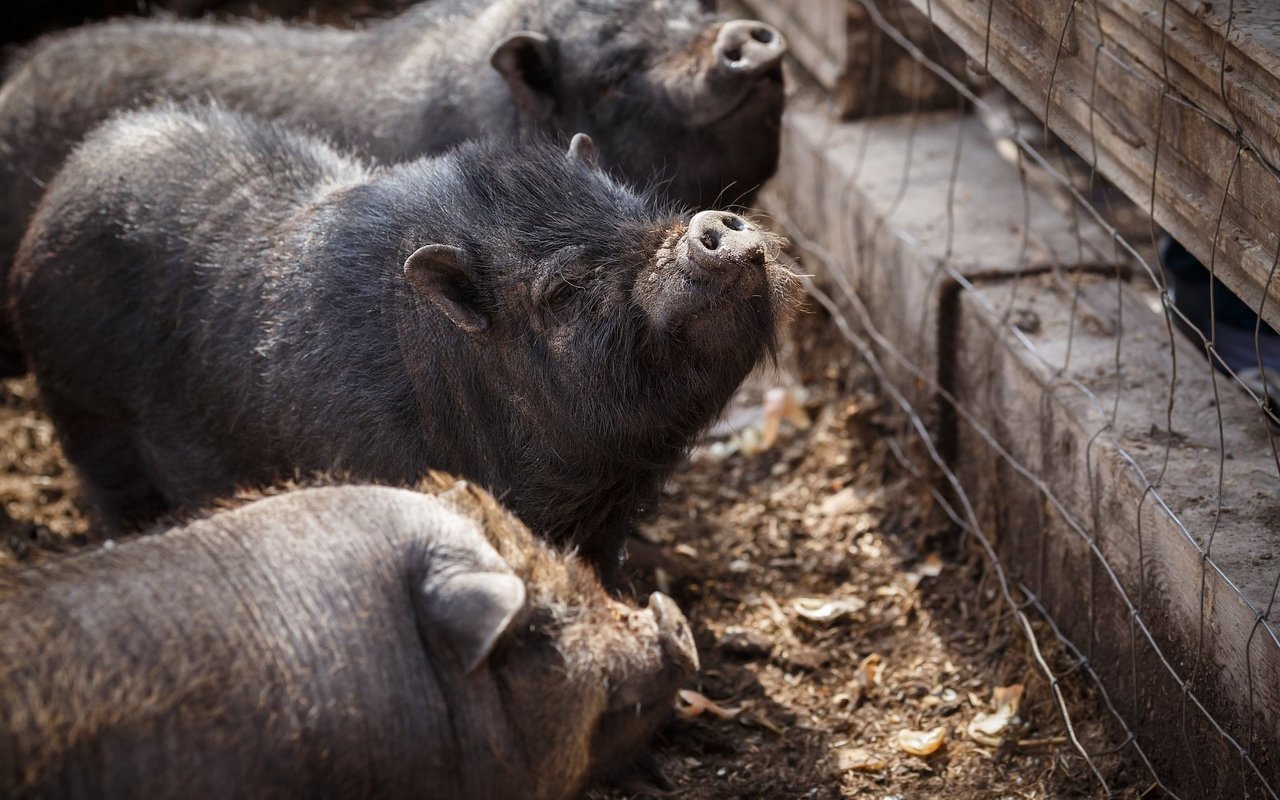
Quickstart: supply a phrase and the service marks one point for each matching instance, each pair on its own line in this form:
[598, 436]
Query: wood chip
[858, 759]
[922, 743]
[827, 609]
[694, 704]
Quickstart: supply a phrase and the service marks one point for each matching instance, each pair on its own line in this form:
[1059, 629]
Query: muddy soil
[759, 549]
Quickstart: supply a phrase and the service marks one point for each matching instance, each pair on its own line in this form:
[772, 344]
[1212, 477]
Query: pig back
[267, 651]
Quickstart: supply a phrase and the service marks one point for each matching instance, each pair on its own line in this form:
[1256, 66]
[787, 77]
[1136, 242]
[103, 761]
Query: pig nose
[719, 239]
[673, 630]
[748, 47]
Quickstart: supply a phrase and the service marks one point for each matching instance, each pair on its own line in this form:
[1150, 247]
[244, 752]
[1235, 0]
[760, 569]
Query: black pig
[208, 300]
[673, 96]
[353, 642]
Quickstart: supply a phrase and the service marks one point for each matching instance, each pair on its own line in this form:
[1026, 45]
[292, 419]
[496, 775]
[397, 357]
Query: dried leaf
[693, 704]
[1007, 696]
[870, 670]
[922, 743]
[845, 501]
[818, 609]
[858, 759]
[780, 404]
[991, 729]
[849, 699]
[930, 566]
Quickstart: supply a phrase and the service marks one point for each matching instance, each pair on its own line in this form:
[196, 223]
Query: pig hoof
[644, 777]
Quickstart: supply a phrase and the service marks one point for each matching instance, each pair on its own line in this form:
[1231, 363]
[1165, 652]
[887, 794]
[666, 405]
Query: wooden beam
[1170, 145]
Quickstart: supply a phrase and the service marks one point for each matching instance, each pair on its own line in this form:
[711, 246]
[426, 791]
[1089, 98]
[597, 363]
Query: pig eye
[562, 295]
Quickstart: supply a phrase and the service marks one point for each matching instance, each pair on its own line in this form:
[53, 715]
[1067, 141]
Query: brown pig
[352, 642]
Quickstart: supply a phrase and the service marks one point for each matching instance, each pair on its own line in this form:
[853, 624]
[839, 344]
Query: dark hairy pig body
[675, 98]
[352, 642]
[208, 301]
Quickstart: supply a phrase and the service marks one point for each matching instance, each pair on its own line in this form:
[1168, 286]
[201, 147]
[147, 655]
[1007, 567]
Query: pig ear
[440, 273]
[525, 61]
[471, 611]
[583, 149]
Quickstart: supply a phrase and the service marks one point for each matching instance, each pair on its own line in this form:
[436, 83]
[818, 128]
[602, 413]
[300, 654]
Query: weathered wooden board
[863, 70]
[878, 196]
[1177, 148]
[1205, 624]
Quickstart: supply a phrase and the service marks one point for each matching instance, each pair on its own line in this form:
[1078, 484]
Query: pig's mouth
[762, 95]
[679, 292]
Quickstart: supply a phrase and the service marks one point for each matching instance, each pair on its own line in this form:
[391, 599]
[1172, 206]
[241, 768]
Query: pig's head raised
[581, 679]
[602, 333]
[672, 94]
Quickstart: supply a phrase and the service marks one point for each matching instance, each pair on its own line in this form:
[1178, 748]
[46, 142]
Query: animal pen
[1002, 522]
[998, 270]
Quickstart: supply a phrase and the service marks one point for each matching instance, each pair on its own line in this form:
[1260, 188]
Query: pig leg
[121, 495]
[606, 548]
[12, 361]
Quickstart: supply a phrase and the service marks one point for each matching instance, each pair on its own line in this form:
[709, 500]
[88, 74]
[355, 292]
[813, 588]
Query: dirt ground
[831, 609]
[826, 520]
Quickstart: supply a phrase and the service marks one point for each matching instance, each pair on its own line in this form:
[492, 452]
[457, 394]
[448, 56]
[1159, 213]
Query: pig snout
[740, 72]
[718, 241]
[747, 47]
[670, 658]
[717, 262]
[675, 636]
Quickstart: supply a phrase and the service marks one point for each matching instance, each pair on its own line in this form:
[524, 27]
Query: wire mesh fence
[1134, 510]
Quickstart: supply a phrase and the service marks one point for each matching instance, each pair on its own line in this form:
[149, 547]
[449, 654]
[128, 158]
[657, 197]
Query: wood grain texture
[1142, 95]
[863, 71]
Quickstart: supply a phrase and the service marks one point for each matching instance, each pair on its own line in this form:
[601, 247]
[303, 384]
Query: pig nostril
[710, 239]
[733, 53]
[762, 35]
[734, 223]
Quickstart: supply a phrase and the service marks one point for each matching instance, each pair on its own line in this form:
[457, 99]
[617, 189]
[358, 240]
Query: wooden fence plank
[1120, 116]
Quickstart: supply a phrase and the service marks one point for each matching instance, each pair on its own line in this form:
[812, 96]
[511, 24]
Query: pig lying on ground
[673, 96]
[352, 642]
[208, 300]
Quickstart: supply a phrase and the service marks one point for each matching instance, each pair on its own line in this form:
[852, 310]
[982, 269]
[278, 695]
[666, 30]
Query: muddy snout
[748, 48]
[704, 275]
[671, 658]
[720, 243]
[676, 637]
